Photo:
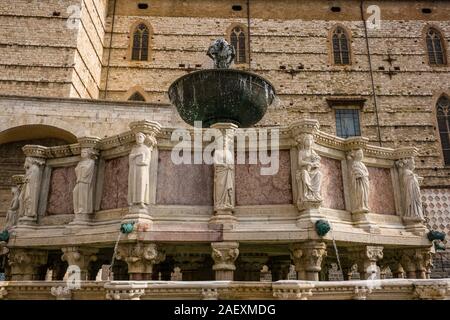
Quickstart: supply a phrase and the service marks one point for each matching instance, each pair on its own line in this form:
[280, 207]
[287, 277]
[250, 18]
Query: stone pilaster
[366, 257]
[25, 263]
[80, 257]
[140, 258]
[224, 255]
[308, 257]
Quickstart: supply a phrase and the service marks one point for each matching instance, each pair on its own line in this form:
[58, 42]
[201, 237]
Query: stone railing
[392, 289]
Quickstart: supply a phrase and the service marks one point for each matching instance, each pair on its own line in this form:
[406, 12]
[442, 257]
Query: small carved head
[140, 137]
[87, 153]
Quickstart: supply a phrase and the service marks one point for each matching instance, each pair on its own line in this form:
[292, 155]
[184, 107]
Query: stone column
[366, 257]
[25, 263]
[224, 180]
[417, 262]
[250, 266]
[80, 257]
[140, 258]
[224, 255]
[308, 257]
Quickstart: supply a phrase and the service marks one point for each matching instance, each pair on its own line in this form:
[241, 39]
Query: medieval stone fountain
[268, 236]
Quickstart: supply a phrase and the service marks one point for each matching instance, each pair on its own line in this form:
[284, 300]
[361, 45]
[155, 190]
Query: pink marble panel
[62, 182]
[183, 184]
[115, 184]
[381, 197]
[252, 188]
[332, 185]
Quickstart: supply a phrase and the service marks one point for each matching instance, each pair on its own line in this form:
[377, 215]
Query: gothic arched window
[136, 97]
[140, 43]
[238, 41]
[435, 47]
[341, 51]
[443, 119]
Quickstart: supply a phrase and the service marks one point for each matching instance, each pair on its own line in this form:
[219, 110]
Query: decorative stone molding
[355, 143]
[292, 290]
[89, 142]
[25, 263]
[309, 126]
[428, 291]
[125, 294]
[61, 293]
[140, 258]
[308, 257]
[79, 256]
[210, 294]
[224, 255]
[361, 293]
[366, 258]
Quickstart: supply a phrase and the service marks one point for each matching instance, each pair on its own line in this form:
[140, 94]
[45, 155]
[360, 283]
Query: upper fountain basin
[221, 95]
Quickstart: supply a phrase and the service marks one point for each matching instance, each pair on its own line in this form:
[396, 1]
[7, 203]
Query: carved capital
[224, 255]
[150, 128]
[304, 126]
[79, 256]
[140, 257]
[35, 151]
[25, 262]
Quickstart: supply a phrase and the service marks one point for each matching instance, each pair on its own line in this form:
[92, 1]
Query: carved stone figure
[139, 173]
[83, 191]
[13, 212]
[222, 53]
[29, 197]
[308, 174]
[224, 176]
[360, 182]
[413, 209]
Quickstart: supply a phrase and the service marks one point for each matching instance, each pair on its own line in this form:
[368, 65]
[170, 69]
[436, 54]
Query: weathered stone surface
[115, 185]
[252, 188]
[190, 184]
[332, 186]
[62, 182]
[381, 196]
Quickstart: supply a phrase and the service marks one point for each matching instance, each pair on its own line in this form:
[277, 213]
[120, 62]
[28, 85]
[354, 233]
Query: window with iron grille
[140, 43]
[435, 47]
[347, 123]
[341, 51]
[238, 41]
[443, 119]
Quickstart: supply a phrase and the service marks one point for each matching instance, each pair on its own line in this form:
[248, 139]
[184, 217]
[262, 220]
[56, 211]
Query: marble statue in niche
[412, 201]
[139, 173]
[224, 198]
[32, 180]
[83, 191]
[12, 214]
[308, 174]
[360, 182]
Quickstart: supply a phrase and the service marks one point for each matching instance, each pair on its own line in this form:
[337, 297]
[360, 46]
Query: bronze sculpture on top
[221, 94]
